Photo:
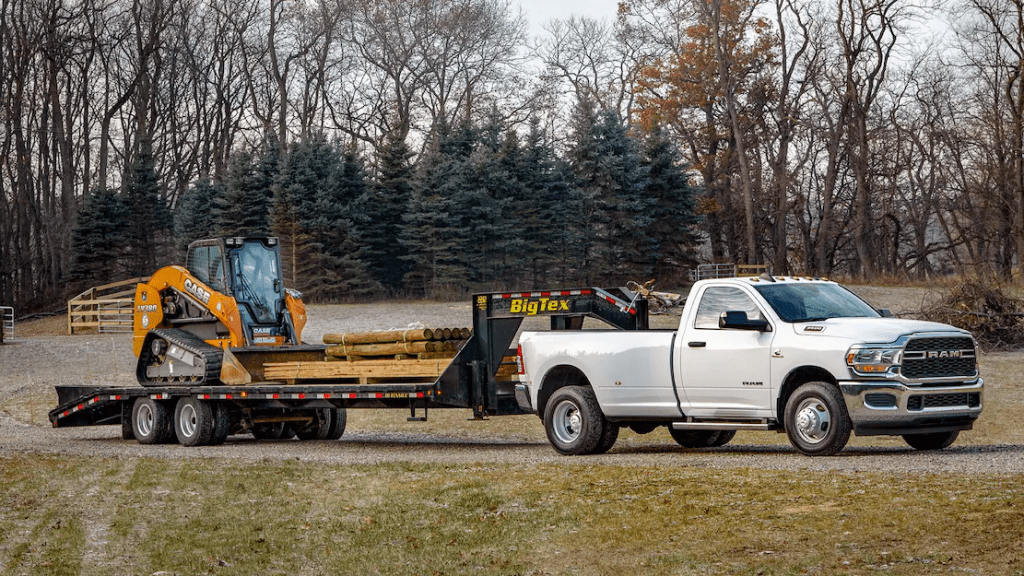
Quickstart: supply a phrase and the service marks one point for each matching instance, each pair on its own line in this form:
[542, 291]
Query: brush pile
[986, 309]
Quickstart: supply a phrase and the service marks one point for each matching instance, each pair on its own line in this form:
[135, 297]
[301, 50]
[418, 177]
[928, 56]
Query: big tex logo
[533, 307]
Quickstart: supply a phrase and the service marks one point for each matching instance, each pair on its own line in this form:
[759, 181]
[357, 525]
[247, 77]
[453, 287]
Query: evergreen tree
[98, 241]
[378, 213]
[550, 213]
[313, 195]
[196, 216]
[433, 232]
[484, 206]
[244, 208]
[150, 218]
[673, 219]
[606, 162]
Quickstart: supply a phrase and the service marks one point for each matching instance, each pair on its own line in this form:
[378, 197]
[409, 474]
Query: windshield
[807, 302]
[258, 281]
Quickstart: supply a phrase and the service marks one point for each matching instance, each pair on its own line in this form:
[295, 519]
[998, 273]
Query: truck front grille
[950, 357]
[961, 400]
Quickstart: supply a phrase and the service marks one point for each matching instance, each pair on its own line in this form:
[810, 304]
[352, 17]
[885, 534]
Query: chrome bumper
[523, 398]
[890, 408]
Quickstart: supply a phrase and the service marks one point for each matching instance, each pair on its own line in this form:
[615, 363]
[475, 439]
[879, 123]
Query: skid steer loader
[220, 318]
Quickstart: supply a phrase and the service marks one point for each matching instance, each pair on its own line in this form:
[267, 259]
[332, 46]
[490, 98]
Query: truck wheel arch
[556, 378]
[798, 377]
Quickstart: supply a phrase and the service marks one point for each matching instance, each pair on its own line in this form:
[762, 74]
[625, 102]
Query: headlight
[874, 361]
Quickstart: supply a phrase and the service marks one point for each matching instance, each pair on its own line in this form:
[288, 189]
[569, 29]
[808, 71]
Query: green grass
[146, 516]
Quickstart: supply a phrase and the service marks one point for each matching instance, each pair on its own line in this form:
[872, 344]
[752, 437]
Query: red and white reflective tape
[616, 302]
[544, 294]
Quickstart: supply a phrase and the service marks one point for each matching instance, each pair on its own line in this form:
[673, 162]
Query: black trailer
[315, 408]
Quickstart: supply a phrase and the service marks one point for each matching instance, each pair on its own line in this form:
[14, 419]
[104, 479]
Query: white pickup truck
[804, 356]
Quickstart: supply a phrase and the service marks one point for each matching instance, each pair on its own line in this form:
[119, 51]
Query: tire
[931, 441]
[701, 438]
[126, 423]
[193, 422]
[152, 421]
[339, 418]
[608, 438]
[221, 424]
[817, 422]
[318, 428]
[573, 421]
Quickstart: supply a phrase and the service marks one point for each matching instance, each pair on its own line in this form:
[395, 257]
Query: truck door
[725, 373]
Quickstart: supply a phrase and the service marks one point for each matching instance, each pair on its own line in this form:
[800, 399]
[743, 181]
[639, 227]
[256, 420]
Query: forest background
[433, 147]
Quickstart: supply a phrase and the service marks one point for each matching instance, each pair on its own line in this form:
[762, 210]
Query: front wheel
[574, 422]
[817, 422]
[931, 441]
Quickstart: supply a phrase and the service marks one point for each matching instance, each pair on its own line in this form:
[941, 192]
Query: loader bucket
[245, 365]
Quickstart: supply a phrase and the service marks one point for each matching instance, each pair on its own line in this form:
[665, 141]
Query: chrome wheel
[813, 421]
[567, 422]
[187, 421]
[144, 420]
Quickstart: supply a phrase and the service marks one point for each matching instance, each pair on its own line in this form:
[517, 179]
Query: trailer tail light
[519, 360]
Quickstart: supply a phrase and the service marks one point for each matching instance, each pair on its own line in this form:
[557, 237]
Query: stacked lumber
[419, 355]
[421, 343]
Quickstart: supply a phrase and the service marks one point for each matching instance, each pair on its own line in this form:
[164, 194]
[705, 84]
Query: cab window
[718, 299]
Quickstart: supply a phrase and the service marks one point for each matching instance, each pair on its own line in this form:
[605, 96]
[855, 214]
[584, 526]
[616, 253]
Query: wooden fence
[106, 308]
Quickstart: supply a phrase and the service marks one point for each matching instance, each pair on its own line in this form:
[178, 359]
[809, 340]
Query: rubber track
[211, 355]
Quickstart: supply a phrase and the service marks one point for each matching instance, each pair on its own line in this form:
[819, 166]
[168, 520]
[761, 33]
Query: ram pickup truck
[802, 356]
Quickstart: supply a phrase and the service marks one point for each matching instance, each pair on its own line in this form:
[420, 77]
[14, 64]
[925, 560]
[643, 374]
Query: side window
[216, 269]
[198, 263]
[718, 299]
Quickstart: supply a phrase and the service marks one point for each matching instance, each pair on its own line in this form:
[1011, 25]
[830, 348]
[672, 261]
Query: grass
[142, 516]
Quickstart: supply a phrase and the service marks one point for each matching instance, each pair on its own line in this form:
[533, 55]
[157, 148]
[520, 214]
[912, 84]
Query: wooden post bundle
[380, 337]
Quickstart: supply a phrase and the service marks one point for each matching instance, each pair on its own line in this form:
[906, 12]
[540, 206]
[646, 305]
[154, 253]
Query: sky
[539, 12]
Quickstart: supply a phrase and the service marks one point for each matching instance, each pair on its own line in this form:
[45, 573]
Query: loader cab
[248, 269]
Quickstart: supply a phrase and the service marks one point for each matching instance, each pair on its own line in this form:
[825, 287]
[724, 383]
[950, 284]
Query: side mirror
[885, 313]
[737, 320]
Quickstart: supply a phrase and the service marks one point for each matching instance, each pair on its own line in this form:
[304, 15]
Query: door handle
[697, 344]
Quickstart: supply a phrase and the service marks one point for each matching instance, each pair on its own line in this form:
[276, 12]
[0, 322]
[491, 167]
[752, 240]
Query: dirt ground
[43, 356]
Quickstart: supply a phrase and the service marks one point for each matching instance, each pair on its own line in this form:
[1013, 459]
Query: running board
[724, 425]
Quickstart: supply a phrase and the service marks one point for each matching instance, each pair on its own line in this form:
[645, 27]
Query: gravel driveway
[31, 366]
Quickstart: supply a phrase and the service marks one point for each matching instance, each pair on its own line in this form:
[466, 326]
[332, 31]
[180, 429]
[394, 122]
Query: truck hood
[871, 330]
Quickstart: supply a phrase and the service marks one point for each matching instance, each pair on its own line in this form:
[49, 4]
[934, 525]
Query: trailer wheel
[193, 422]
[318, 428]
[932, 441]
[573, 420]
[817, 422]
[221, 424]
[151, 421]
[338, 420]
[126, 422]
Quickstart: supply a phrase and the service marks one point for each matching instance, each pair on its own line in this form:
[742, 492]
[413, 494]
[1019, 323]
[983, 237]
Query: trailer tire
[931, 441]
[817, 422]
[573, 420]
[193, 422]
[126, 422]
[152, 421]
[319, 428]
[221, 424]
[339, 418]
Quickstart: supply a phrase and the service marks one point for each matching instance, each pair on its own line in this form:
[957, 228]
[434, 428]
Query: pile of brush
[986, 309]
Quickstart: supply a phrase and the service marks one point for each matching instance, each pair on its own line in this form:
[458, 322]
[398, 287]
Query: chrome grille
[948, 357]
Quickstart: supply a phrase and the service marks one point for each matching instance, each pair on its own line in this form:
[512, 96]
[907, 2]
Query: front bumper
[893, 408]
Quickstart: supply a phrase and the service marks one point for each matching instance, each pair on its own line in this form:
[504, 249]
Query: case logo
[197, 291]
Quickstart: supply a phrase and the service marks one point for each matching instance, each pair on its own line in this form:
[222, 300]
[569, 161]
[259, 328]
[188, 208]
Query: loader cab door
[256, 265]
